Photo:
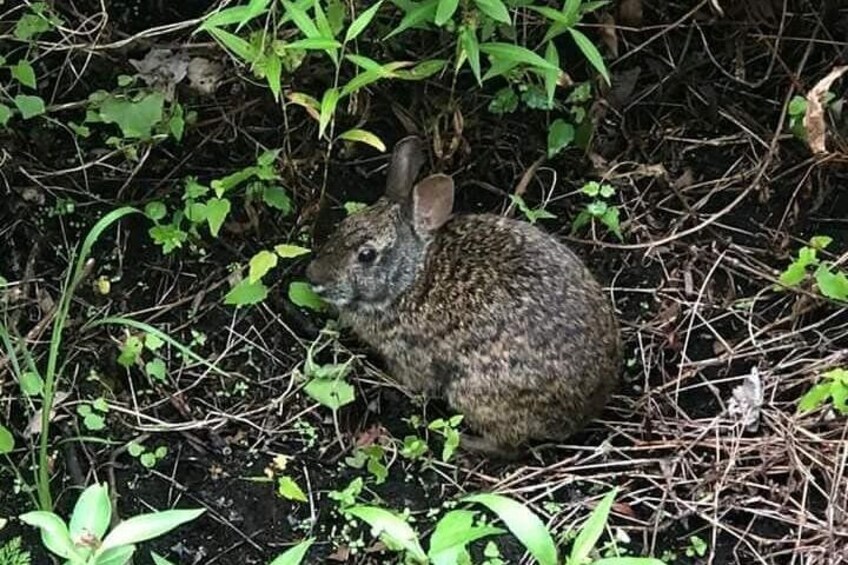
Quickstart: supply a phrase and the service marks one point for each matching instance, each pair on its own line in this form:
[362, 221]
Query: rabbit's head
[375, 254]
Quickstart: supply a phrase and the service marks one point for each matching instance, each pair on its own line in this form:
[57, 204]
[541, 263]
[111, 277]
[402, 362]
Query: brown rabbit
[492, 313]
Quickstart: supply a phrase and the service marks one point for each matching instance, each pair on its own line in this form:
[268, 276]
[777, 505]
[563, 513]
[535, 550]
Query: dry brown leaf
[814, 123]
[608, 35]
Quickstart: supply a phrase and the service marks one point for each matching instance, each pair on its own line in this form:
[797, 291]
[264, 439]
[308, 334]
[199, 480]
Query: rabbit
[491, 313]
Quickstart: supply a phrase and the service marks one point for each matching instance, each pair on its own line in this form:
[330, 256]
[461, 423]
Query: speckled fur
[492, 313]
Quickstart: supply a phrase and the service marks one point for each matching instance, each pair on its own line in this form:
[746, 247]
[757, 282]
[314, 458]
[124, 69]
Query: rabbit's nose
[316, 275]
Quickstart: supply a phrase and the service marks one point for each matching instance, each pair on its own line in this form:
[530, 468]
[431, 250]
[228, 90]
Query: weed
[599, 209]
[85, 541]
[697, 547]
[829, 280]
[449, 432]
[11, 553]
[94, 414]
[146, 457]
[833, 386]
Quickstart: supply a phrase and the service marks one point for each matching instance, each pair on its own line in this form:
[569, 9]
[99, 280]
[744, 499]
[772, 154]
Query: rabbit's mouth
[330, 294]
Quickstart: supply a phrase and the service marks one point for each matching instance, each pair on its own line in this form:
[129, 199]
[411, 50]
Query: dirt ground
[715, 194]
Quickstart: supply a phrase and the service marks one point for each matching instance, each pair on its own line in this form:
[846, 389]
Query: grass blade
[590, 52]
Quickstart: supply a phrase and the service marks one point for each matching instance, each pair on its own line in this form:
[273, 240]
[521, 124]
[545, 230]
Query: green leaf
[839, 394]
[5, 115]
[794, 274]
[572, 10]
[116, 556]
[553, 15]
[273, 67]
[591, 53]
[815, 397]
[328, 108]
[560, 136]
[130, 350]
[92, 513]
[288, 488]
[592, 529]
[505, 101]
[216, 212]
[832, 284]
[516, 54]
[246, 293]
[797, 106]
[351, 207]
[94, 422]
[820, 241]
[332, 393]
[445, 11]
[365, 137]
[148, 526]
[158, 559]
[276, 197]
[7, 440]
[260, 264]
[294, 555]
[391, 529]
[153, 342]
[135, 449]
[137, 118]
[254, 9]
[423, 12]
[551, 76]
[611, 220]
[29, 106]
[628, 561]
[314, 43]
[524, 525]
[301, 20]
[453, 533]
[286, 251]
[361, 22]
[24, 73]
[238, 46]
[300, 293]
[31, 383]
[31, 25]
[156, 369]
[495, 9]
[422, 70]
[54, 533]
[468, 40]
[155, 210]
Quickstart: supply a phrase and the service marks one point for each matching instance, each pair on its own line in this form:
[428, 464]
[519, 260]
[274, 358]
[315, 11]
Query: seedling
[84, 540]
[448, 429]
[371, 457]
[94, 414]
[697, 547]
[830, 281]
[834, 387]
[532, 215]
[599, 209]
[147, 458]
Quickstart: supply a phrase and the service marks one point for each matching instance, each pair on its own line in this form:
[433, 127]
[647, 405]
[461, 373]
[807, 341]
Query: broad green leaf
[29, 106]
[24, 73]
[365, 137]
[294, 555]
[301, 19]
[422, 13]
[832, 284]
[469, 43]
[135, 118]
[153, 342]
[31, 383]
[551, 76]
[273, 74]
[7, 440]
[276, 197]
[794, 274]
[238, 46]
[572, 10]
[5, 115]
[30, 25]
[314, 43]
[158, 559]
[148, 526]
[260, 264]
[524, 525]
[560, 136]
[590, 52]
[332, 393]
[246, 293]
[445, 11]
[422, 70]
[54, 532]
[453, 533]
[358, 25]
[216, 212]
[92, 513]
[232, 180]
[394, 531]
[254, 9]
[289, 489]
[592, 529]
[814, 397]
[839, 395]
[362, 80]
[820, 241]
[130, 350]
[235, 15]
[300, 293]
[287, 251]
[611, 220]
[495, 9]
[553, 15]
[515, 54]
[156, 369]
[321, 20]
[155, 210]
[116, 556]
[328, 108]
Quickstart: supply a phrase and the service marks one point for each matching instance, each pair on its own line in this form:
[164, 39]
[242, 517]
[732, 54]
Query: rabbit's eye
[367, 255]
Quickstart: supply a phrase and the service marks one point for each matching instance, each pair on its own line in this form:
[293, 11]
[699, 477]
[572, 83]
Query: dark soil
[690, 123]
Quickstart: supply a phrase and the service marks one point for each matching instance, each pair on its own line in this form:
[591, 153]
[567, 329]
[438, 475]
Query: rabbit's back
[506, 322]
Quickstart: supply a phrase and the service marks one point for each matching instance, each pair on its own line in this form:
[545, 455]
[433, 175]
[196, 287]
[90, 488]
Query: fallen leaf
[608, 35]
[162, 68]
[744, 406]
[814, 123]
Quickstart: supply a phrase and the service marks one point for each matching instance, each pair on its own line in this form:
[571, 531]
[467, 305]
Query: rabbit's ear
[432, 203]
[407, 159]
